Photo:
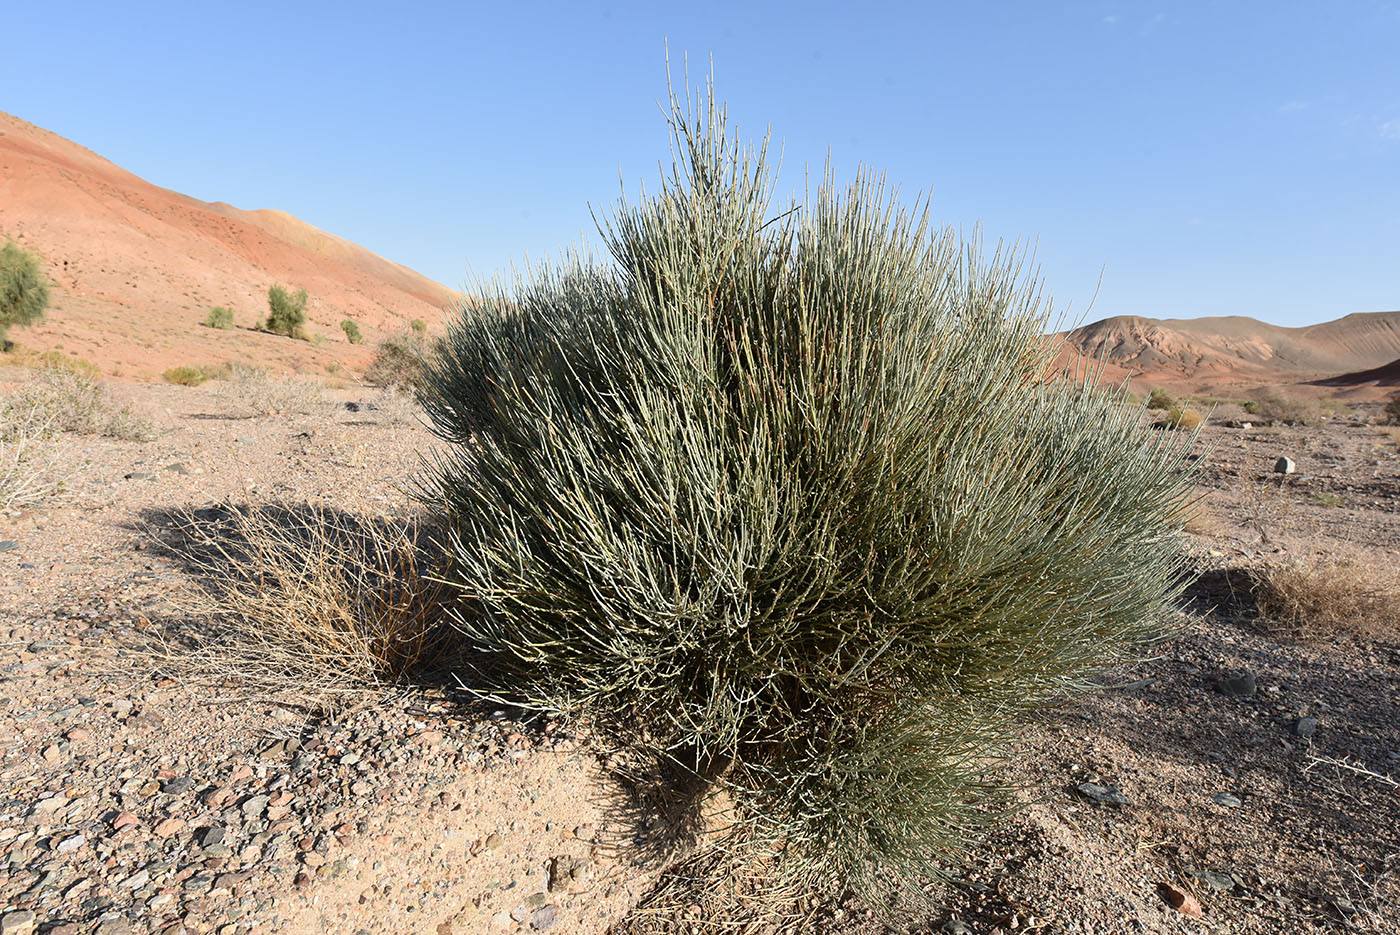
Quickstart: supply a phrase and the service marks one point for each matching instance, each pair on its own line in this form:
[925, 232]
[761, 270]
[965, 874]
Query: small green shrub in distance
[1391, 411]
[352, 332]
[1327, 498]
[780, 497]
[418, 326]
[220, 317]
[1251, 406]
[1160, 399]
[24, 291]
[399, 360]
[286, 311]
[184, 375]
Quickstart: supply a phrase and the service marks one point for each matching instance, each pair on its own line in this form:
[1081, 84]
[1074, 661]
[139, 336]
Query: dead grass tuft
[1345, 590]
[33, 458]
[251, 393]
[65, 400]
[310, 604]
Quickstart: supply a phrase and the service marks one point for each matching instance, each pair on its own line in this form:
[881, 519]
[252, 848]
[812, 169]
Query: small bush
[24, 291]
[184, 375]
[1160, 399]
[221, 318]
[251, 392]
[73, 401]
[1251, 406]
[312, 604]
[1287, 410]
[779, 499]
[1179, 418]
[418, 326]
[1391, 411]
[286, 312]
[399, 361]
[32, 456]
[352, 332]
[1346, 590]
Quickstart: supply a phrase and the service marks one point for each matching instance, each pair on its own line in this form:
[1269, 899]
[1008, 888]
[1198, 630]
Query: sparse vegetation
[1345, 590]
[352, 332]
[184, 375]
[24, 291]
[286, 312]
[250, 392]
[1286, 410]
[32, 457]
[399, 361]
[1327, 499]
[419, 327]
[1179, 418]
[72, 401]
[1160, 399]
[1391, 411]
[812, 537]
[220, 318]
[311, 604]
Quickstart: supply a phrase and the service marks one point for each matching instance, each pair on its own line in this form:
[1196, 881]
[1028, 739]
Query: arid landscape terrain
[1243, 778]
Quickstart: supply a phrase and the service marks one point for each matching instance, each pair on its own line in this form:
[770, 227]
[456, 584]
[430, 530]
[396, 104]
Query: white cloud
[1389, 130]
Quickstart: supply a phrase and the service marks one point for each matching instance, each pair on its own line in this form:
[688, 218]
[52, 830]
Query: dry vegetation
[250, 393]
[1347, 590]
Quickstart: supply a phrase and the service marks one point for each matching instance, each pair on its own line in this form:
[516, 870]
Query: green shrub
[286, 312]
[184, 375]
[352, 332]
[220, 317]
[418, 326]
[1251, 406]
[1160, 399]
[1391, 412]
[1286, 409]
[781, 499]
[24, 292]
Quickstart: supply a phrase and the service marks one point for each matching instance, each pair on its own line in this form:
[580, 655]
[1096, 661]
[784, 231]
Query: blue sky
[1211, 158]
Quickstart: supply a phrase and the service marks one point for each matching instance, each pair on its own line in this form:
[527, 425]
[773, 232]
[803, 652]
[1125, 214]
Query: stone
[494, 842]
[211, 836]
[1238, 686]
[1216, 880]
[168, 827]
[543, 919]
[254, 806]
[1305, 726]
[8, 545]
[17, 923]
[501, 920]
[1104, 795]
[71, 844]
[1285, 465]
[957, 927]
[140, 475]
[177, 785]
[177, 468]
[1226, 799]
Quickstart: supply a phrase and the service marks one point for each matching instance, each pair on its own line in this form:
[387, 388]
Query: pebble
[1239, 686]
[1104, 795]
[1284, 465]
[1218, 881]
[543, 919]
[957, 927]
[168, 827]
[8, 545]
[17, 923]
[1226, 799]
[254, 806]
[1305, 726]
[69, 845]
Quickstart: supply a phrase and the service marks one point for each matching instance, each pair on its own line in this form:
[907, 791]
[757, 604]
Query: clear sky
[1211, 158]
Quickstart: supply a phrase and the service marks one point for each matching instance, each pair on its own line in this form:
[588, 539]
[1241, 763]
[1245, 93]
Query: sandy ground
[133, 801]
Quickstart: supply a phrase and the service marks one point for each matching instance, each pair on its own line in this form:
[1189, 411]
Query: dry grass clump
[32, 458]
[1280, 408]
[308, 603]
[64, 400]
[1180, 418]
[1391, 412]
[250, 392]
[1345, 590]
[395, 405]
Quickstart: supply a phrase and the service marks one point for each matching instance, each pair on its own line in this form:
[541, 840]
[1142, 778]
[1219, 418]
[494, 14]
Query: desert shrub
[24, 291]
[399, 361]
[309, 603]
[352, 332]
[1289, 410]
[1179, 418]
[74, 401]
[779, 498]
[1347, 589]
[1160, 399]
[184, 375]
[251, 392]
[220, 317]
[286, 312]
[1391, 410]
[32, 456]
[1250, 406]
[418, 326]
[1327, 498]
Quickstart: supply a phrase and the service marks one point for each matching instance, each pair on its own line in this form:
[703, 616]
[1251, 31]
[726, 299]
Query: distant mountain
[137, 267]
[1201, 352]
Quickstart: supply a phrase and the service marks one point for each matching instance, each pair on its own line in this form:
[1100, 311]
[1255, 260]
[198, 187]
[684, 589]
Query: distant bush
[220, 317]
[1289, 410]
[1391, 410]
[73, 401]
[352, 332]
[780, 499]
[184, 375]
[399, 360]
[1160, 399]
[1179, 418]
[1251, 406]
[418, 326]
[286, 312]
[24, 291]
[250, 392]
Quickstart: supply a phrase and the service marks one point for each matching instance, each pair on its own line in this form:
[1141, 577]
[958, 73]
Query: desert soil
[1253, 774]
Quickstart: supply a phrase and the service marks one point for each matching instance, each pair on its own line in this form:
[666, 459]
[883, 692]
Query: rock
[177, 468]
[117, 926]
[139, 475]
[17, 923]
[1226, 799]
[1285, 465]
[254, 806]
[1218, 881]
[543, 919]
[245, 439]
[1180, 900]
[501, 920]
[124, 820]
[1305, 726]
[494, 842]
[69, 845]
[177, 785]
[168, 827]
[1238, 686]
[519, 912]
[211, 836]
[1104, 795]
[8, 545]
[957, 927]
